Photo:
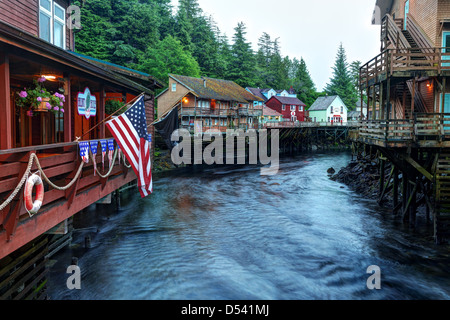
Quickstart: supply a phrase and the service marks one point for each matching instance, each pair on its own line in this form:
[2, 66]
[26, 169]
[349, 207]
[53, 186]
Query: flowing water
[231, 234]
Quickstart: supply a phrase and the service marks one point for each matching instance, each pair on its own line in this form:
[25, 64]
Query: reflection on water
[230, 233]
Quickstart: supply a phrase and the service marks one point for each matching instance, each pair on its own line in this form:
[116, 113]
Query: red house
[292, 109]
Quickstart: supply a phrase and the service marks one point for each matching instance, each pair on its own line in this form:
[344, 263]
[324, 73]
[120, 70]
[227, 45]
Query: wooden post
[413, 96]
[68, 110]
[388, 97]
[101, 112]
[404, 190]
[444, 84]
[381, 101]
[395, 190]
[6, 117]
[374, 103]
[382, 167]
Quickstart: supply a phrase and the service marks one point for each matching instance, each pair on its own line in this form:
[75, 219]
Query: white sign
[87, 104]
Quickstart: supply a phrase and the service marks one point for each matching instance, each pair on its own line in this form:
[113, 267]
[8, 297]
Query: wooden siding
[22, 14]
[168, 99]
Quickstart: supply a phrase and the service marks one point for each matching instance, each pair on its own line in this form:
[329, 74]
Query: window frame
[51, 14]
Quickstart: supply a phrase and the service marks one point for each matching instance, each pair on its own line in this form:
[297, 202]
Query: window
[174, 87]
[342, 109]
[300, 108]
[332, 111]
[284, 107]
[293, 118]
[52, 23]
[293, 108]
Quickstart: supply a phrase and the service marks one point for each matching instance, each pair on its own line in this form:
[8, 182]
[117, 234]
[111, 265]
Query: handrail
[38, 148]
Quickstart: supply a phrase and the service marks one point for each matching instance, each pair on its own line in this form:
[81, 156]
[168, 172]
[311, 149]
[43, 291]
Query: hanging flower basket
[39, 99]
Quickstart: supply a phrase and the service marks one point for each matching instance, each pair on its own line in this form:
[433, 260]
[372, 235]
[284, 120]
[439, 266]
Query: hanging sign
[87, 104]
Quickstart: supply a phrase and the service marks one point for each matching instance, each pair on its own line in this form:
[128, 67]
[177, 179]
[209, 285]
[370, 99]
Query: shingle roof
[269, 112]
[257, 92]
[216, 89]
[289, 100]
[322, 103]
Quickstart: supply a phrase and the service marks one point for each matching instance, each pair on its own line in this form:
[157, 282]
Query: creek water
[231, 234]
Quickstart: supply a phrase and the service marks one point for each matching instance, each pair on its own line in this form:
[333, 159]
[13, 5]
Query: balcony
[61, 164]
[405, 63]
[207, 112]
[430, 130]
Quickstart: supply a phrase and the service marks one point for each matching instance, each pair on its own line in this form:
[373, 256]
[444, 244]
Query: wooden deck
[427, 130]
[60, 163]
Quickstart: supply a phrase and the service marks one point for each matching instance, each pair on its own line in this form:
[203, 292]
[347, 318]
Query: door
[406, 14]
[446, 108]
[446, 47]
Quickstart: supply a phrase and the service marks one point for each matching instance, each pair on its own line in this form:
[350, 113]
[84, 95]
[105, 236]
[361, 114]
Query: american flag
[130, 131]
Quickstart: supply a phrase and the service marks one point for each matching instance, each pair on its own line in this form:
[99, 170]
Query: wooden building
[218, 104]
[292, 109]
[35, 48]
[408, 84]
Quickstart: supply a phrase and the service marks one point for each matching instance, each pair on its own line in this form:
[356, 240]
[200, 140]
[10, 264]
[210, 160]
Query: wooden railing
[391, 30]
[431, 60]
[387, 130]
[59, 163]
[428, 127]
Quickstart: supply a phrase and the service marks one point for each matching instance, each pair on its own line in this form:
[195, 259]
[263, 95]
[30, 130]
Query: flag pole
[110, 116]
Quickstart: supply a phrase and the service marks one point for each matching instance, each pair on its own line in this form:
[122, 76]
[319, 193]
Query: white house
[329, 109]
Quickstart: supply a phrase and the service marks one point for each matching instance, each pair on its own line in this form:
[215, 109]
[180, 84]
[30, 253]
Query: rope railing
[34, 159]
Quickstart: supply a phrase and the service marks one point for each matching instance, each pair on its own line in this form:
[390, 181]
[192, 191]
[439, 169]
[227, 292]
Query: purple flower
[39, 99]
[56, 108]
[23, 94]
[62, 110]
[41, 79]
[48, 105]
[61, 104]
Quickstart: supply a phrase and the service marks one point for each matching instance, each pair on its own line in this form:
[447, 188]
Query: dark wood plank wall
[22, 14]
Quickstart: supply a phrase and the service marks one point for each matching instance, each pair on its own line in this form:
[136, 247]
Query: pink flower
[39, 99]
[23, 94]
[56, 108]
[62, 110]
[61, 104]
[48, 105]
[42, 79]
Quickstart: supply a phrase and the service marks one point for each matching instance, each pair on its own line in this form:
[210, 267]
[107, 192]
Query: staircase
[442, 211]
[413, 44]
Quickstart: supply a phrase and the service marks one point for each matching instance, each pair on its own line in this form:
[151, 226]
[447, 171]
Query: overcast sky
[312, 29]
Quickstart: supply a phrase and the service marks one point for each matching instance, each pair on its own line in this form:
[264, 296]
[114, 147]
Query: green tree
[341, 82]
[166, 57]
[242, 67]
[303, 83]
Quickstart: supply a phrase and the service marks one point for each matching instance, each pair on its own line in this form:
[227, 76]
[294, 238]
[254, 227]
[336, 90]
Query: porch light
[49, 77]
[185, 100]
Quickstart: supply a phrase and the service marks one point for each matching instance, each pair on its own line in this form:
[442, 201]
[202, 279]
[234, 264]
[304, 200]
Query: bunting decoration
[110, 151]
[94, 146]
[84, 151]
[104, 145]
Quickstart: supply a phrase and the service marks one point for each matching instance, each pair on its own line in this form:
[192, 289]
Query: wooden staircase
[442, 210]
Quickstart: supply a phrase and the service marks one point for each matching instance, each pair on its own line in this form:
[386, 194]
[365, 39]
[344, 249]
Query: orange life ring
[34, 207]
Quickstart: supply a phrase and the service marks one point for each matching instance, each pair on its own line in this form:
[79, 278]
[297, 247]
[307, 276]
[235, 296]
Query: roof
[216, 89]
[289, 100]
[139, 76]
[322, 103]
[257, 92]
[269, 112]
[26, 41]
